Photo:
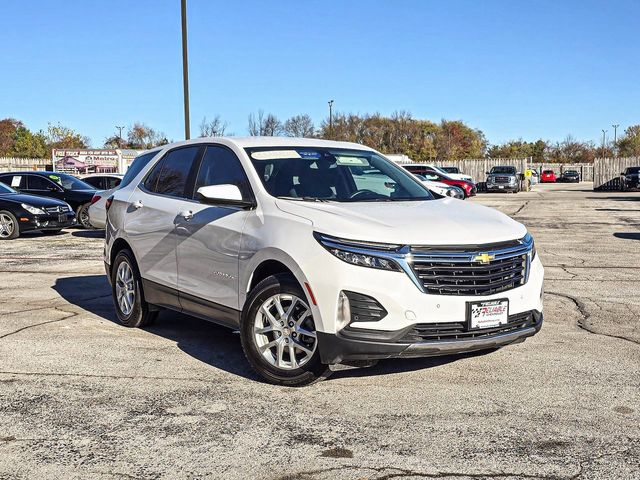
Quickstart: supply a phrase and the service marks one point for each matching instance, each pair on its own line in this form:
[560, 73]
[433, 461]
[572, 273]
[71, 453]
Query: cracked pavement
[83, 397]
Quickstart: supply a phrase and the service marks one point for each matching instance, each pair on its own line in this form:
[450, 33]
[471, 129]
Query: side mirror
[487, 173]
[223, 195]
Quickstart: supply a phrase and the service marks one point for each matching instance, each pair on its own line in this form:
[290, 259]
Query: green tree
[59, 136]
[8, 128]
[30, 145]
[629, 144]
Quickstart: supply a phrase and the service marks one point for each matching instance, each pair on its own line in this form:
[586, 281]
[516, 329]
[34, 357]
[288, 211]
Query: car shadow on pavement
[88, 233]
[627, 235]
[206, 341]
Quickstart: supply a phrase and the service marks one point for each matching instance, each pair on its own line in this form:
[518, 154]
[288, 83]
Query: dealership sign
[81, 161]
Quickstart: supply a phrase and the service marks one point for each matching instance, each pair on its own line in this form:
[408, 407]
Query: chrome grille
[501, 179]
[58, 209]
[455, 272]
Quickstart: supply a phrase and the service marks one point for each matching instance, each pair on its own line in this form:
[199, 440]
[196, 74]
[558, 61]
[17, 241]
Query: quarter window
[220, 166]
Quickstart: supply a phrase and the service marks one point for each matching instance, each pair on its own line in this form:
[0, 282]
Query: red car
[548, 176]
[431, 174]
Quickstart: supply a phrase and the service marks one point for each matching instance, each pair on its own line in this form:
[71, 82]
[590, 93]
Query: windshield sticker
[308, 154]
[55, 178]
[275, 155]
[15, 181]
[352, 161]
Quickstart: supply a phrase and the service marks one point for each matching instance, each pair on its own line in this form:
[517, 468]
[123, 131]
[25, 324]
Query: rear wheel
[278, 334]
[83, 216]
[9, 228]
[128, 297]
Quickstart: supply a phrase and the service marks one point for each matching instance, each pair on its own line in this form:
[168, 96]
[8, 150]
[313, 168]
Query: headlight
[364, 260]
[32, 209]
[357, 253]
[528, 239]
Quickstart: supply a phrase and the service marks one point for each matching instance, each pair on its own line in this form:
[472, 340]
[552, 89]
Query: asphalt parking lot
[83, 397]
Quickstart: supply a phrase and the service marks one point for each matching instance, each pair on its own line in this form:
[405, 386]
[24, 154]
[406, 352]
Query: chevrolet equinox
[320, 253]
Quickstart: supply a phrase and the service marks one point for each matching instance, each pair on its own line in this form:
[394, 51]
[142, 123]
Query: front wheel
[9, 228]
[278, 334]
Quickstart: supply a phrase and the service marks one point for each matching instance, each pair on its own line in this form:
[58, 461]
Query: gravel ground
[83, 397]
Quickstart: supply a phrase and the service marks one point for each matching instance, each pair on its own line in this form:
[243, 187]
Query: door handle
[186, 214]
[137, 204]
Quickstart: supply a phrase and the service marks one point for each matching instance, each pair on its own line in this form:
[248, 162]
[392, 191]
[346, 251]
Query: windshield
[633, 170]
[450, 169]
[4, 189]
[321, 174]
[68, 182]
[504, 170]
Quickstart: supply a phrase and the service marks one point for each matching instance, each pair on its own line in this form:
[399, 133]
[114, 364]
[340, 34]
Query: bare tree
[299, 126]
[213, 128]
[262, 126]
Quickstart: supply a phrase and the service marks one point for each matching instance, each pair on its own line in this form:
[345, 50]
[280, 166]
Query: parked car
[503, 178]
[21, 213]
[276, 237]
[454, 175]
[103, 181]
[442, 189]
[630, 178]
[569, 176]
[55, 185]
[435, 175]
[548, 176]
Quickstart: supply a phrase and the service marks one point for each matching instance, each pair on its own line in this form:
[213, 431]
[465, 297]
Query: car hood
[33, 200]
[445, 221]
[460, 176]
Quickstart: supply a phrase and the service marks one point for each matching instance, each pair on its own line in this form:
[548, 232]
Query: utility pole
[120, 135]
[615, 139]
[330, 102]
[185, 71]
[604, 133]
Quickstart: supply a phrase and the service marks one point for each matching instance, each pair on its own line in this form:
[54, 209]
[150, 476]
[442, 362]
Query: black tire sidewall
[310, 372]
[137, 317]
[16, 226]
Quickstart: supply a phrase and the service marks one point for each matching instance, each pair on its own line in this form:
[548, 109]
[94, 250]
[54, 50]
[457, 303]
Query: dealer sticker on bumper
[489, 314]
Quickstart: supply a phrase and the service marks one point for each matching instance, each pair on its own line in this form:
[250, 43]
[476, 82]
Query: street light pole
[615, 139]
[185, 71]
[604, 133]
[120, 135]
[330, 118]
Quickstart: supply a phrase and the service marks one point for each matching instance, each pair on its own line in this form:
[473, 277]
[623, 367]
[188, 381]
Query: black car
[630, 178]
[570, 176]
[21, 213]
[450, 169]
[55, 185]
[103, 181]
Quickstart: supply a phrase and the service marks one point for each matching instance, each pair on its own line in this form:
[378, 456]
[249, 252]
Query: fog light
[344, 312]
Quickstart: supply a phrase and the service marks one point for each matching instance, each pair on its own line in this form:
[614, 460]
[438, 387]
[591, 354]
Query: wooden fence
[606, 171]
[477, 168]
[7, 164]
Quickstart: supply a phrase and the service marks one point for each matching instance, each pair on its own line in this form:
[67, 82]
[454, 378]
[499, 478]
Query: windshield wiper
[307, 199]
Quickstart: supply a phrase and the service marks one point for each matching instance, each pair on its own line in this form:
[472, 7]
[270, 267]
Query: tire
[9, 227]
[132, 311]
[280, 353]
[51, 232]
[82, 216]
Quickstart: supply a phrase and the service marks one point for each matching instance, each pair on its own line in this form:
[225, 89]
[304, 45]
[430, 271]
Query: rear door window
[171, 174]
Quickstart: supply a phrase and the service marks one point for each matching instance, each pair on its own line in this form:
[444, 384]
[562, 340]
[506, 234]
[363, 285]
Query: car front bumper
[338, 348]
[502, 187]
[46, 222]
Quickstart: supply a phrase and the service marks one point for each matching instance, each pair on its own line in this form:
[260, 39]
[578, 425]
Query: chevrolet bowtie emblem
[483, 258]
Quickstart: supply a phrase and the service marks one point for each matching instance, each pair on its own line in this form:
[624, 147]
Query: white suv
[320, 253]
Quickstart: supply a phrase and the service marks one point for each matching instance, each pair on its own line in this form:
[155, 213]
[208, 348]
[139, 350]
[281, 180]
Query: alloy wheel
[7, 225]
[284, 331]
[125, 288]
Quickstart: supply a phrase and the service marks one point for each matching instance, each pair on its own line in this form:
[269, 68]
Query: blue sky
[530, 69]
